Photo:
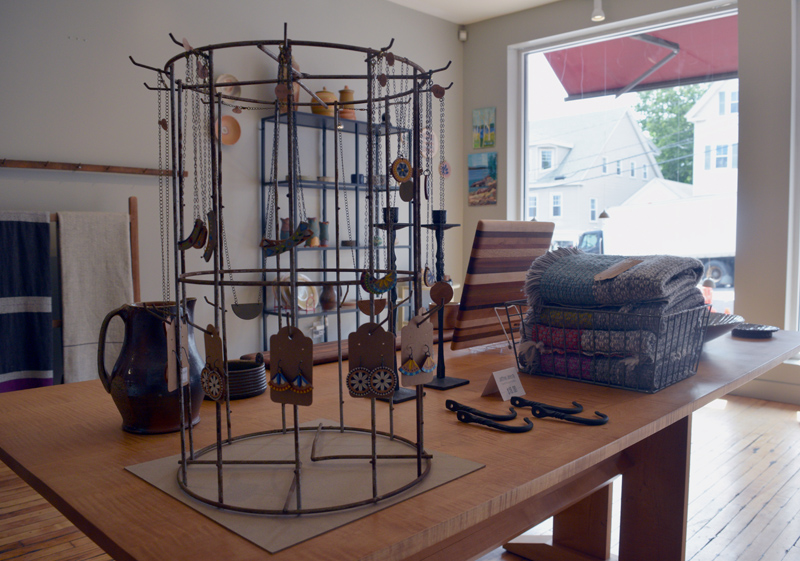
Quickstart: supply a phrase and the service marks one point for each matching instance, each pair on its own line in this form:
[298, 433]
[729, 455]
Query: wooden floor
[744, 499]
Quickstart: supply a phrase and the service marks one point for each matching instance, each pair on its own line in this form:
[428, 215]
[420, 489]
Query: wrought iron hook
[522, 402]
[153, 68]
[466, 417]
[455, 406]
[542, 412]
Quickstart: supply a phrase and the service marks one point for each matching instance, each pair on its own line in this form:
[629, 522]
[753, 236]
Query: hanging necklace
[163, 187]
[428, 277]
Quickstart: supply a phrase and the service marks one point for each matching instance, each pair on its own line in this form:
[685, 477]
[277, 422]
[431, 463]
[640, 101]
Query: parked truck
[703, 227]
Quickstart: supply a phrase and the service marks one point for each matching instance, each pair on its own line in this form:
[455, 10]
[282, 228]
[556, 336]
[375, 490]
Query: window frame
[721, 154]
[547, 150]
[559, 206]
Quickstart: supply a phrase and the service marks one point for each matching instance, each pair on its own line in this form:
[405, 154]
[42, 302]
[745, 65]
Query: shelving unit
[327, 127]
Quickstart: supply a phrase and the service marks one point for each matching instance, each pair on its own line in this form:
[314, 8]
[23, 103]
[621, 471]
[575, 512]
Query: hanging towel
[26, 322]
[95, 257]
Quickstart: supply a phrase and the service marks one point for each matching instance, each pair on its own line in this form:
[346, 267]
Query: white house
[581, 164]
[716, 139]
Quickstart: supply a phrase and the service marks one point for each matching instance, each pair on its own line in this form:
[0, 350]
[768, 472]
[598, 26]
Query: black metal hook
[455, 406]
[179, 43]
[466, 417]
[153, 68]
[522, 402]
[542, 412]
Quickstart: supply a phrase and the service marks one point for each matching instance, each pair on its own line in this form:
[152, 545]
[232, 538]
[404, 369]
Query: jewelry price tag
[506, 382]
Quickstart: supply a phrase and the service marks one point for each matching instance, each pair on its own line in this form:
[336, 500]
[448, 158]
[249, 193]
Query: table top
[66, 442]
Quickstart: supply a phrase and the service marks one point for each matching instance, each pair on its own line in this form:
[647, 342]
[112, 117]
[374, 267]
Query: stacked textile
[624, 321]
[26, 323]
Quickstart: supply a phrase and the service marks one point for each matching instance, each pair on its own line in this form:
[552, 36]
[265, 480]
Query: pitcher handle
[101, 348]
[346, 292]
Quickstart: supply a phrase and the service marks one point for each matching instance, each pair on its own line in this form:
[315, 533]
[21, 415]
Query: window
[546, 158]
[721, 103]
[533, 203]
[569, 103]
[734, 102]
[722, 156]
[735, 155]
[556, 205]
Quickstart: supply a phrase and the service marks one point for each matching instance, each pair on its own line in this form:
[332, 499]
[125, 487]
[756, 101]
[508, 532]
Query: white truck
[701, 226]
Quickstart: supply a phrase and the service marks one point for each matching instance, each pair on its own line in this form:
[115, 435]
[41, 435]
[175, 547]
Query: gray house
[579, 165]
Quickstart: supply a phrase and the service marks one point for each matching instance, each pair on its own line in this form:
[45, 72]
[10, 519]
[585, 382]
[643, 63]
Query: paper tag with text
[506, 382]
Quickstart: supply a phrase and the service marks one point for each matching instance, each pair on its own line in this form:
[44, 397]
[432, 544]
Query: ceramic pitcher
[138, 382]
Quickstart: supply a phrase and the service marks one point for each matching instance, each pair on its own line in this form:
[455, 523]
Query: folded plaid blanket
[657, 283]
[590, 341]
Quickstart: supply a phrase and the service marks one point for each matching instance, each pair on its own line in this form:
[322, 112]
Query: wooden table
[66, 442]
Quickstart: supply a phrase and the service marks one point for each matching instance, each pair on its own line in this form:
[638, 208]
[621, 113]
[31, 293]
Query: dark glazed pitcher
[138, 383]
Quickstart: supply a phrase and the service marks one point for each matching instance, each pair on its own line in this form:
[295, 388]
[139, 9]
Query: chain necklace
[444, 167]
[428, 275]
[163, 188]
[195, 108]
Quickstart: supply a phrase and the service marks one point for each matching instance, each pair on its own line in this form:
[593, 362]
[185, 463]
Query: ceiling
[469, 11]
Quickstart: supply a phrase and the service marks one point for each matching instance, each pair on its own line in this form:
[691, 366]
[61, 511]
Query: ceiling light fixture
[597, 13]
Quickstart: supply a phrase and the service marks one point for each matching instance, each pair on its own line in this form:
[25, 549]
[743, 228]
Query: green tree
[664, 118]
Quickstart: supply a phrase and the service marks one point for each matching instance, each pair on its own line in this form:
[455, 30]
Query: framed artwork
[482, 178]
[483, 121]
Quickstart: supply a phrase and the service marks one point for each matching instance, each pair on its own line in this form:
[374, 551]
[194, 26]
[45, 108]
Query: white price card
[506, 382]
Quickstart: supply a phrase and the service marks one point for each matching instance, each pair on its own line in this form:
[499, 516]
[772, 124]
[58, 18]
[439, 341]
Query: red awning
[687, 54]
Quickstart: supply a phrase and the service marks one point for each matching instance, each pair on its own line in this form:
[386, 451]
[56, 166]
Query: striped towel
[26, 322]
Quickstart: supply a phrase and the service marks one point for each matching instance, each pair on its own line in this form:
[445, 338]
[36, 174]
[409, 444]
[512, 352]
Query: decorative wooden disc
[363, 305]
[441, 293]
[401, 170]
[437, 91]
[407, 191]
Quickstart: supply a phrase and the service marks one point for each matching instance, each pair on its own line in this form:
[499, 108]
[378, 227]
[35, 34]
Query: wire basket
[640, 352]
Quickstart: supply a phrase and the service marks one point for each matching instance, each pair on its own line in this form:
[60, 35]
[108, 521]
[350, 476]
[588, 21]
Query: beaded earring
[428, 365]
[278, 381]
[410, 367]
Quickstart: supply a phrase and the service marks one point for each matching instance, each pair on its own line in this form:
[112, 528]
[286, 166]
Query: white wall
[71, 95]
[491, 78]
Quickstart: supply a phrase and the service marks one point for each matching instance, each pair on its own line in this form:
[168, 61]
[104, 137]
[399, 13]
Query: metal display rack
[200, 97]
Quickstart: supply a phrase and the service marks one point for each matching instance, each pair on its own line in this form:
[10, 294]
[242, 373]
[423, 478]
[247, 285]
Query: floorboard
[744, 486]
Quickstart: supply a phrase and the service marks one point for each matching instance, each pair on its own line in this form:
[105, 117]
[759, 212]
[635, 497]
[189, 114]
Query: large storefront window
[662, 105]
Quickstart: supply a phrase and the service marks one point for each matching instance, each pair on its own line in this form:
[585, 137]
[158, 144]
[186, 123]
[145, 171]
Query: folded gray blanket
[656, 284]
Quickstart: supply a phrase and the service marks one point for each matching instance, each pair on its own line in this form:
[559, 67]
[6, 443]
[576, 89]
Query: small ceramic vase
[323, 234]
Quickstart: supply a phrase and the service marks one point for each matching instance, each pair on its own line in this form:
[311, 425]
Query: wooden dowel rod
[133, 212]
[61, 166]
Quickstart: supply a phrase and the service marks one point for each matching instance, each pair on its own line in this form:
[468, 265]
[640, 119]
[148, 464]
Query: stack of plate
[247, 378]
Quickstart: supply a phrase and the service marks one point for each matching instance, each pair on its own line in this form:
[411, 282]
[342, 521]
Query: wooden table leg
[582, 532]
[655, 491]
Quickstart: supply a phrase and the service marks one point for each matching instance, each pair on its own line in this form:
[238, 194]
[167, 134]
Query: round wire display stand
[236, 472]
[355, 468]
